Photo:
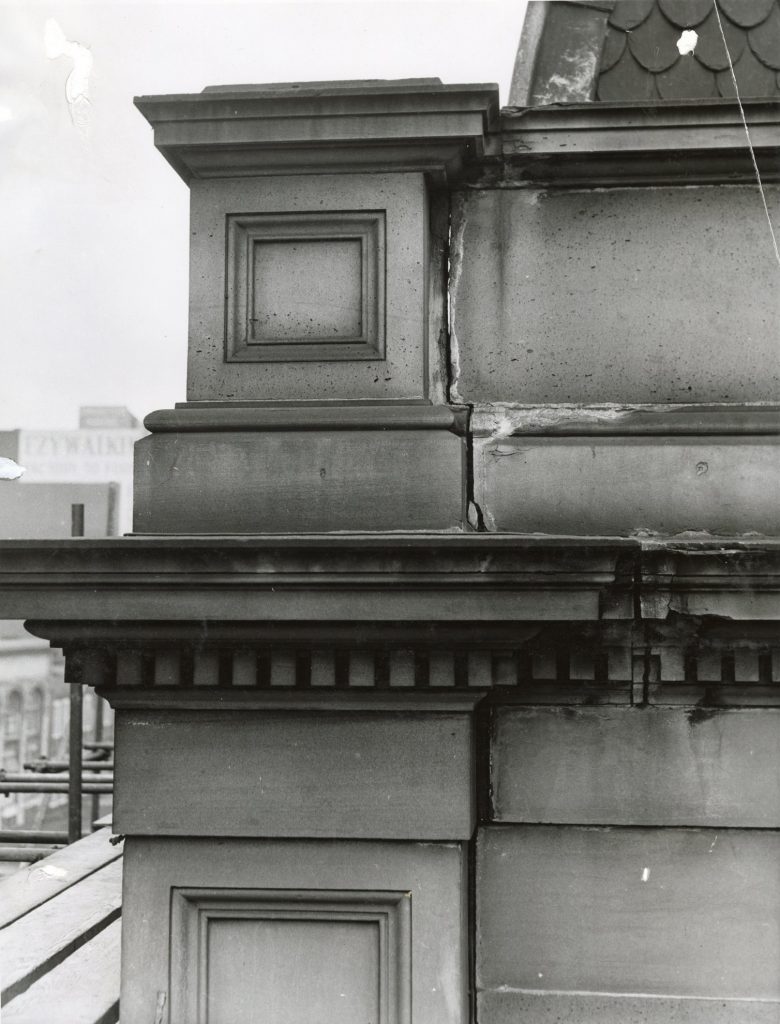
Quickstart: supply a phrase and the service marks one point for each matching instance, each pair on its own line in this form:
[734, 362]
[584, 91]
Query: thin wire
[747, 133]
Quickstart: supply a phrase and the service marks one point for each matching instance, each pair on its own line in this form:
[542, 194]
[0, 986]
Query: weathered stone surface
[309, 775]
[637, 766]
[426, 964]
[623, 295]
[606, 1008]
[415, 578]
[567, 58]
[658, 912]
[298, 481]
[619, 485]
[343, 126]
[311, 212]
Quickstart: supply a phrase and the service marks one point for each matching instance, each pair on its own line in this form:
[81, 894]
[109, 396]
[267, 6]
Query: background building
[88, 470]
[98, 457]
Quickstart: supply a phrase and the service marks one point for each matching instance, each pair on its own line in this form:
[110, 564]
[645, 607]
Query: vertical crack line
[455, 236]
[474, 516]
[479, 524]
[747, 133]
[448, 374]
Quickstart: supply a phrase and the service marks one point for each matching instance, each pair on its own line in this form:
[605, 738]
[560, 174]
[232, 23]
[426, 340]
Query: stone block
[616, 295]
[238, 773]
[637, 766]
[606, 1008]
[309, 287]
[299, 481]
[623, 485]
[673, 913]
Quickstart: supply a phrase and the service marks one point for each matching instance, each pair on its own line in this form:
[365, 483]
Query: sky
[94, 222]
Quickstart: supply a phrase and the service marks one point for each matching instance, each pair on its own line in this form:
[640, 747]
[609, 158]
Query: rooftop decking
[59, 936]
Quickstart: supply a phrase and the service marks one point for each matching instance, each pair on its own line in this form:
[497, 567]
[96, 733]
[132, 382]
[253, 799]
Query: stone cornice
[433, 577]
[729, 579]
[396, 578]
[592, 145]
[322, 127]
[423, 125]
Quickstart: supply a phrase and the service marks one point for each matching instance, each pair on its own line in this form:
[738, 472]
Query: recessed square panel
[305, 286]
[322, 956]
[306, 290]
[301, 968]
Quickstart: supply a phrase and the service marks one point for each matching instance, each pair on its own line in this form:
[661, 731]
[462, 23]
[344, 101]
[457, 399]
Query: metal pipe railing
[55, 787]
[21, 835]
[56, 767]
[49, 777]
[75, 754]
[26, 854]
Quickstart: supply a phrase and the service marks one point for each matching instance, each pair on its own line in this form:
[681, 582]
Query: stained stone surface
[621, 486]
[671, 913]
[620, 295]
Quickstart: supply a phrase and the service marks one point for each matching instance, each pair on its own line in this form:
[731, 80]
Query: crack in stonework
[454, 268]
[475, 517]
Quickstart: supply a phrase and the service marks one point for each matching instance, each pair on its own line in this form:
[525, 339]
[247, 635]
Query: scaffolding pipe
[76, 738]
[27, 854]
[48, 777]
[50, 767]
[53, 787]
[22, 835]
[98, 736]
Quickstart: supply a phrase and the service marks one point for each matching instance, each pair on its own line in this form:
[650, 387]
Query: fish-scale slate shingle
[710, 50]
[627, 14]
[746, 13]
[685, 13]
[640, 59]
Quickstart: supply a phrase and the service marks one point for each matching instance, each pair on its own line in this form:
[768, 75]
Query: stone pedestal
[318, 348]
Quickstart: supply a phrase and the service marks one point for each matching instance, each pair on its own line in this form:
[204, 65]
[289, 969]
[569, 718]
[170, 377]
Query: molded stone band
[598, 144]
[194, 417]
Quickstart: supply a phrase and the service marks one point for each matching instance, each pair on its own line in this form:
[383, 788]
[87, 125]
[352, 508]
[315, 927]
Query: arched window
[12, 733]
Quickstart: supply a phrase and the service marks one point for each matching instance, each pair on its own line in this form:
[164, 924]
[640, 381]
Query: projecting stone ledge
[447, 579]
[405, 125]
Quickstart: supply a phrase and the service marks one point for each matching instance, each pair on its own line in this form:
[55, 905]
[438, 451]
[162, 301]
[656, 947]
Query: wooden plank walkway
[60, 934]
[84, 989]
[29, 887]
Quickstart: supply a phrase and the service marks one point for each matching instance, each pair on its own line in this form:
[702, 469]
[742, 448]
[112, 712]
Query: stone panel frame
[193, 910]
[246, 232]
[364, 876]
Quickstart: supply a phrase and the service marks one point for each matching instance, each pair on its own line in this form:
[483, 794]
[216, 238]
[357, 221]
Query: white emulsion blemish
[10, 470]
[687, 42]
[56, 45]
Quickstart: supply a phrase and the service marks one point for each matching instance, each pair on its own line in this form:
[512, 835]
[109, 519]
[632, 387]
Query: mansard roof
[575, 51]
